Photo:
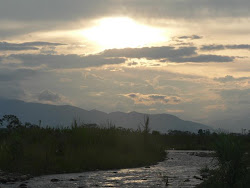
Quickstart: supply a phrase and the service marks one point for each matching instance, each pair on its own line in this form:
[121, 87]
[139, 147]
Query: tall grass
[232, 168]
[36, 150]
[229, 154]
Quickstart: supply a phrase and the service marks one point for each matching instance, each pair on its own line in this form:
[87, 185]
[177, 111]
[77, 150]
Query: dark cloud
[166, 53]
[55, 10]
[132, 95]
[151, 52]
[191, 9]
[49, 96]
[5, 46]
[223, 47]
[202, 59]
[157, 97]
[212, 47]
[240, 46]
[230, 78]
[64, 10]
[35, 15]
[65, 61]
[180, 43]
[132, 64]
[191, 37]
[10, 47]
[38, 43]
[114, 56]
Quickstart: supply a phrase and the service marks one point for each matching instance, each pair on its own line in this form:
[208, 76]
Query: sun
[123, 32]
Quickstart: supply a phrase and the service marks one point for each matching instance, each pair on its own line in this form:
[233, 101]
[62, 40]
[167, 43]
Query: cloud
[191, 9]
[212, 47]
[166, 53]
[202, 59]
[191, 37]
[236, 93]
[50, 60]
[132, 64]
[150, 99]
[223, 47]
[47, 95]
[236, 98]
[12, 91]
[5, 46]
[244, 102]
[230, 78]
[64, 61]
[150, 52]
[11, 82]
[216, 107]
[9, 47]
[47, 15]
[48, 50]
[38, 43]
[239, 46]
[63, 10]
[7, 75]
[56, 10]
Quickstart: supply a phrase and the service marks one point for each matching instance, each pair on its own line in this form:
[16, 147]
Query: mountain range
[63, 116]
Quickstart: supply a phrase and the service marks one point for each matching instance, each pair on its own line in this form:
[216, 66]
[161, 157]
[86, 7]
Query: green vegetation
[180, 140]
[233, 160]
[28, 148]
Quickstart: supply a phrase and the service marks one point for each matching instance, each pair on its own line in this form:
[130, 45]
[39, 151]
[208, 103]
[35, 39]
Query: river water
[180, 169]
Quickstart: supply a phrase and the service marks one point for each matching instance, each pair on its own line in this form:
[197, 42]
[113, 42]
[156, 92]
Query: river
[181, 169]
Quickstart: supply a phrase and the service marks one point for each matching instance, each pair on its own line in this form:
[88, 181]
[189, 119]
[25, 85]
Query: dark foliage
[31, 149]
[233, 160]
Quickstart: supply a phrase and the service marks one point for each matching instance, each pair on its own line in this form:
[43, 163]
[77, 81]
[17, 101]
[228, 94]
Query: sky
[189, 58]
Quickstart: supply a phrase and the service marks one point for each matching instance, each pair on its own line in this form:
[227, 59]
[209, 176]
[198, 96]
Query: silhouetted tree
[10, 121]
[145, 125]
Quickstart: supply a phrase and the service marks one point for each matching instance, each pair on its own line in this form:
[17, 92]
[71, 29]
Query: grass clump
[232, 167]
[27, 148]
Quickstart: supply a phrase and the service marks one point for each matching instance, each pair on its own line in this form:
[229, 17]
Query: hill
[54, 115]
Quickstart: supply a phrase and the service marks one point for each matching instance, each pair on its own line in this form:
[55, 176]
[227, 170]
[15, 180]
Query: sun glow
[123, 32]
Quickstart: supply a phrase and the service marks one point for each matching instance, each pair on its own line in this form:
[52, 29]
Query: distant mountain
[54, 115]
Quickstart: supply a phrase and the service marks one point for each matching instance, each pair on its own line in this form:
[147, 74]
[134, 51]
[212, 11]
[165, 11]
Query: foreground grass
[233, 163]
[35, 150]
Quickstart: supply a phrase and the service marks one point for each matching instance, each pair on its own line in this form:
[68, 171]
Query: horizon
[188, 59]
[112, 119]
